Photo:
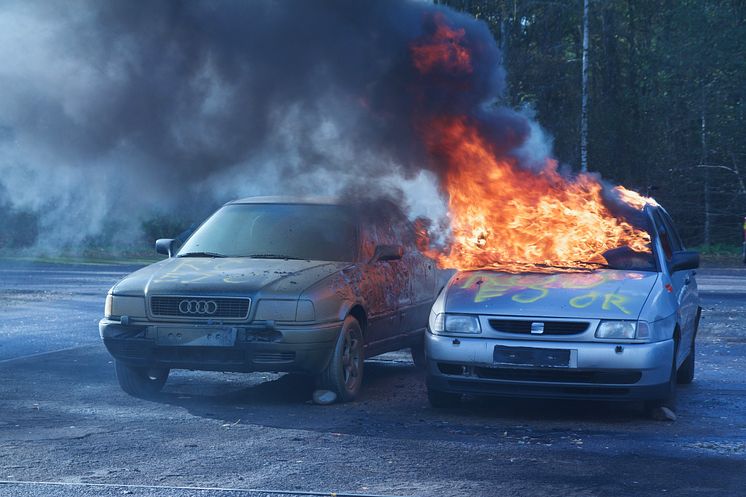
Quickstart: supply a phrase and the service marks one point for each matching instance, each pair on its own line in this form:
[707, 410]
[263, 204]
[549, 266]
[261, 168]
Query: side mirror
[684, 259]
[388, 253]
[166, 246]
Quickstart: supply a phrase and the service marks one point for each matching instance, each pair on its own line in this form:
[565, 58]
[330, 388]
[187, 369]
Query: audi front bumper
[261, 346]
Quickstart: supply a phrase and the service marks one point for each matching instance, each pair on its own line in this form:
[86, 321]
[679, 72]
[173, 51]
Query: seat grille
[200, 308]
[550, 327]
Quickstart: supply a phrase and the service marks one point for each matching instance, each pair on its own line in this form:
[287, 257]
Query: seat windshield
[627, 259]
[276, 231]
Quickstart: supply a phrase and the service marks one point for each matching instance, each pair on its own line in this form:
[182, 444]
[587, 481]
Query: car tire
[418, 354]
[344, 373]
[685, 375]
[140, 382]
[669, 399]
[440, 399]
[686, 372]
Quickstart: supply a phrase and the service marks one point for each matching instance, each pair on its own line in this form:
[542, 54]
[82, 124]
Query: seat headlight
[618, 330]
[455, 323]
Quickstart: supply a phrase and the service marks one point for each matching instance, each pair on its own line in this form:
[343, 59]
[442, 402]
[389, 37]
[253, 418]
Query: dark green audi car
[273, 284]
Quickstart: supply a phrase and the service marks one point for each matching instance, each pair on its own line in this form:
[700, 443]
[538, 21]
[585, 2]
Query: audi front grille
[200, 308]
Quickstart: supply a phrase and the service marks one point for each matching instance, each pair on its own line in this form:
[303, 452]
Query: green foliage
[720, 249]
[657, 68]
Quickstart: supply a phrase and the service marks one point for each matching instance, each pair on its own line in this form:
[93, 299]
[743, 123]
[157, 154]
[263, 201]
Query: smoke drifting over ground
[112, 112]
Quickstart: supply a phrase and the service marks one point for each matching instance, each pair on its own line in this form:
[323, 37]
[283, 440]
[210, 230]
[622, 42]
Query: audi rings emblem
[198, 307]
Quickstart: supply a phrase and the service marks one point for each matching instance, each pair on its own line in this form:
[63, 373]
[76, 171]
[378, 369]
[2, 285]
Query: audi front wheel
[141, 382]
[344, 374]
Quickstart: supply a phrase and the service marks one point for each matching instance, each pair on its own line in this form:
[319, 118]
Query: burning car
[273, 284]
[624, 329]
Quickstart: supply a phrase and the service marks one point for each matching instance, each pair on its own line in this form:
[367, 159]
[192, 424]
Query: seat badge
[537, 328]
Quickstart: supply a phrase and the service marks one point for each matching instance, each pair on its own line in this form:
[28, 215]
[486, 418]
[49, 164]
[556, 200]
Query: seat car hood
[226, 276]
[604, 294]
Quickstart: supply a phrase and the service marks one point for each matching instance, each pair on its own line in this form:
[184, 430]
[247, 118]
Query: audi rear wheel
[418, 353]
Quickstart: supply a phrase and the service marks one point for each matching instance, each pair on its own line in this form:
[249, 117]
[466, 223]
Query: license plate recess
[196, 337]
[532, 356]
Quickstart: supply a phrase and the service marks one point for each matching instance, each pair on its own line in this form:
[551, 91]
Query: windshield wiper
[274, 256]
[201, 254]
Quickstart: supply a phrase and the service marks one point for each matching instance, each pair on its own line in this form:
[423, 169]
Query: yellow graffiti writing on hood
[610, 299]
[533, 288]
[189, 272]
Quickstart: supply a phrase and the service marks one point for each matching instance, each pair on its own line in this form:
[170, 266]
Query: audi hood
[605, 294]
[234, 276]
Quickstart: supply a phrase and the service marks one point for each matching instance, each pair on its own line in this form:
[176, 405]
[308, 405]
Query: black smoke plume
[115, 112]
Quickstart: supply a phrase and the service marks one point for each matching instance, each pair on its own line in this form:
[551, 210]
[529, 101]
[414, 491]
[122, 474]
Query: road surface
[66, 429]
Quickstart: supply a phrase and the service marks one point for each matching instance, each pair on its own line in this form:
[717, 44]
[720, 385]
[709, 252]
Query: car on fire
[281, 284]
[623, 331]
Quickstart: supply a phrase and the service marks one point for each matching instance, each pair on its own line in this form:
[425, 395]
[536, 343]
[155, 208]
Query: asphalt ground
[66, 429]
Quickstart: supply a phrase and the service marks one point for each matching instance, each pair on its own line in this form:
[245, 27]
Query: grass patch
[84, 256]
[721, 255]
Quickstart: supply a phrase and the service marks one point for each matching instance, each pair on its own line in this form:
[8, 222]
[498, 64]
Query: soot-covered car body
[624, 333]
[273, 284]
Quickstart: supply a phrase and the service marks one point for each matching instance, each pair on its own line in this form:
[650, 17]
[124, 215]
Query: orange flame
[633, 198]
[503, 216]
[447, 54]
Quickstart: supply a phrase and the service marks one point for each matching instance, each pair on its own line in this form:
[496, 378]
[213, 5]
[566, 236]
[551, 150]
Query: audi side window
[405, 236]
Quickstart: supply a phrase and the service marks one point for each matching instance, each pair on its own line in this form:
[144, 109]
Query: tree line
[666, 90]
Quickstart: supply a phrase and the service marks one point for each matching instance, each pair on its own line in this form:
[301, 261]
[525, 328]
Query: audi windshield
[276, 231]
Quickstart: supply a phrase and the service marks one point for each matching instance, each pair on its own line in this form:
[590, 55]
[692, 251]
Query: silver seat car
[274, 284]
[624, 331]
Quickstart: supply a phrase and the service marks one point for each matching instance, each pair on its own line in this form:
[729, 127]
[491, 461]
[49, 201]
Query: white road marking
[42, 354]
[177, 487]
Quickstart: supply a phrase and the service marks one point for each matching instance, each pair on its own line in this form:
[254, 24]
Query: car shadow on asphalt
[281, 389]
[392, 402]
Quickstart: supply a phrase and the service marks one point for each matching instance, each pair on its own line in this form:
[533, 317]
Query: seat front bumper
[608, 371]
[258, 347]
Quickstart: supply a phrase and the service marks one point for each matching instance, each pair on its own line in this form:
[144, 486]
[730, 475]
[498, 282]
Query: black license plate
[530, 356]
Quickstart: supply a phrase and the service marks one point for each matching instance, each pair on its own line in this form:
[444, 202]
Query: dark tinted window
[299, 231]
[676, 242]
[665, 237]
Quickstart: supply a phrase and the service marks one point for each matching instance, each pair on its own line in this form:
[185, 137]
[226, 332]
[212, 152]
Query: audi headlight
[117, 305]
[285, 310]
[108, 305]
[455, 323]
[619, 330]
